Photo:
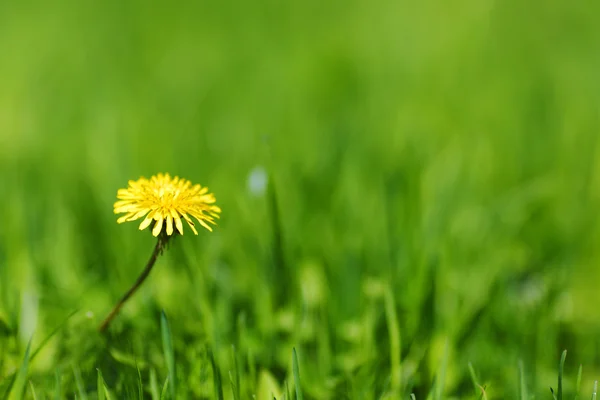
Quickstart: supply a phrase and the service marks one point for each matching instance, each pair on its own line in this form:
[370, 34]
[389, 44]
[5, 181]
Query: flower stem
[158, 249]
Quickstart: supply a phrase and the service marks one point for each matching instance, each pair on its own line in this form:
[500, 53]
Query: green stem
[158, 249]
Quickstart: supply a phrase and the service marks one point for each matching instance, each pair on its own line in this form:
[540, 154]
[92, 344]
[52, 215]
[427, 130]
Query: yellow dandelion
[166, 201]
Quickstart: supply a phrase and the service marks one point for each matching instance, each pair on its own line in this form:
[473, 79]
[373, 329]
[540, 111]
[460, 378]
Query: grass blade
[251, 373]
[440, 380]
[395, 343]
[595, 390]
[167, 340]
[163, 394]
[33, 395]
[561, 367]
[20, 381]
[216, 376]
[79, 383]
[103, 392]
[296, 371]
[474, 379]
[578, 384]
[100, 389]
[483, 395]
[140, 384]
[58, 385]
[235, 380]
[234, 388]
[154, 385]
[522, 384]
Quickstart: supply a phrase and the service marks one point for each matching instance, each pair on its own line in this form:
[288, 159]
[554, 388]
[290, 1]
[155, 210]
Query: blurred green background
[434, 182]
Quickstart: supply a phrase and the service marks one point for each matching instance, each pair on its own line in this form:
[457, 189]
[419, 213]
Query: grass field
[410, 196]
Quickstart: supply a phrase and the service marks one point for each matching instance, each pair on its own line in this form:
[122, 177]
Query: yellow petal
[124, 194]
[126, 209]
[138, 215]
[178, 223]
[145, 223]
[202, 219]
[204, 224]
[124, 218]
[121, 203]
[169, 225]
[190, 223]
[202, 201]
[158, 226]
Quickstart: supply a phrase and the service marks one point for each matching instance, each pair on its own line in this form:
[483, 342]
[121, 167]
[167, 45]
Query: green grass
[430, 224]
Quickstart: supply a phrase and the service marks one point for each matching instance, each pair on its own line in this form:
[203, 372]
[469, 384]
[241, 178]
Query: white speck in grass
[532, 292]
[257, 181]
[89, 314]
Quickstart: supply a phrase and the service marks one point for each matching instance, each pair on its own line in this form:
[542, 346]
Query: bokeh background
[407, 187]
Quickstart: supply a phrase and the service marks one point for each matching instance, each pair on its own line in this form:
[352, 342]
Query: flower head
[166, 201]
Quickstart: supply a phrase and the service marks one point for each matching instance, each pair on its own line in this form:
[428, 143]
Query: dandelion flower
[166, 201]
